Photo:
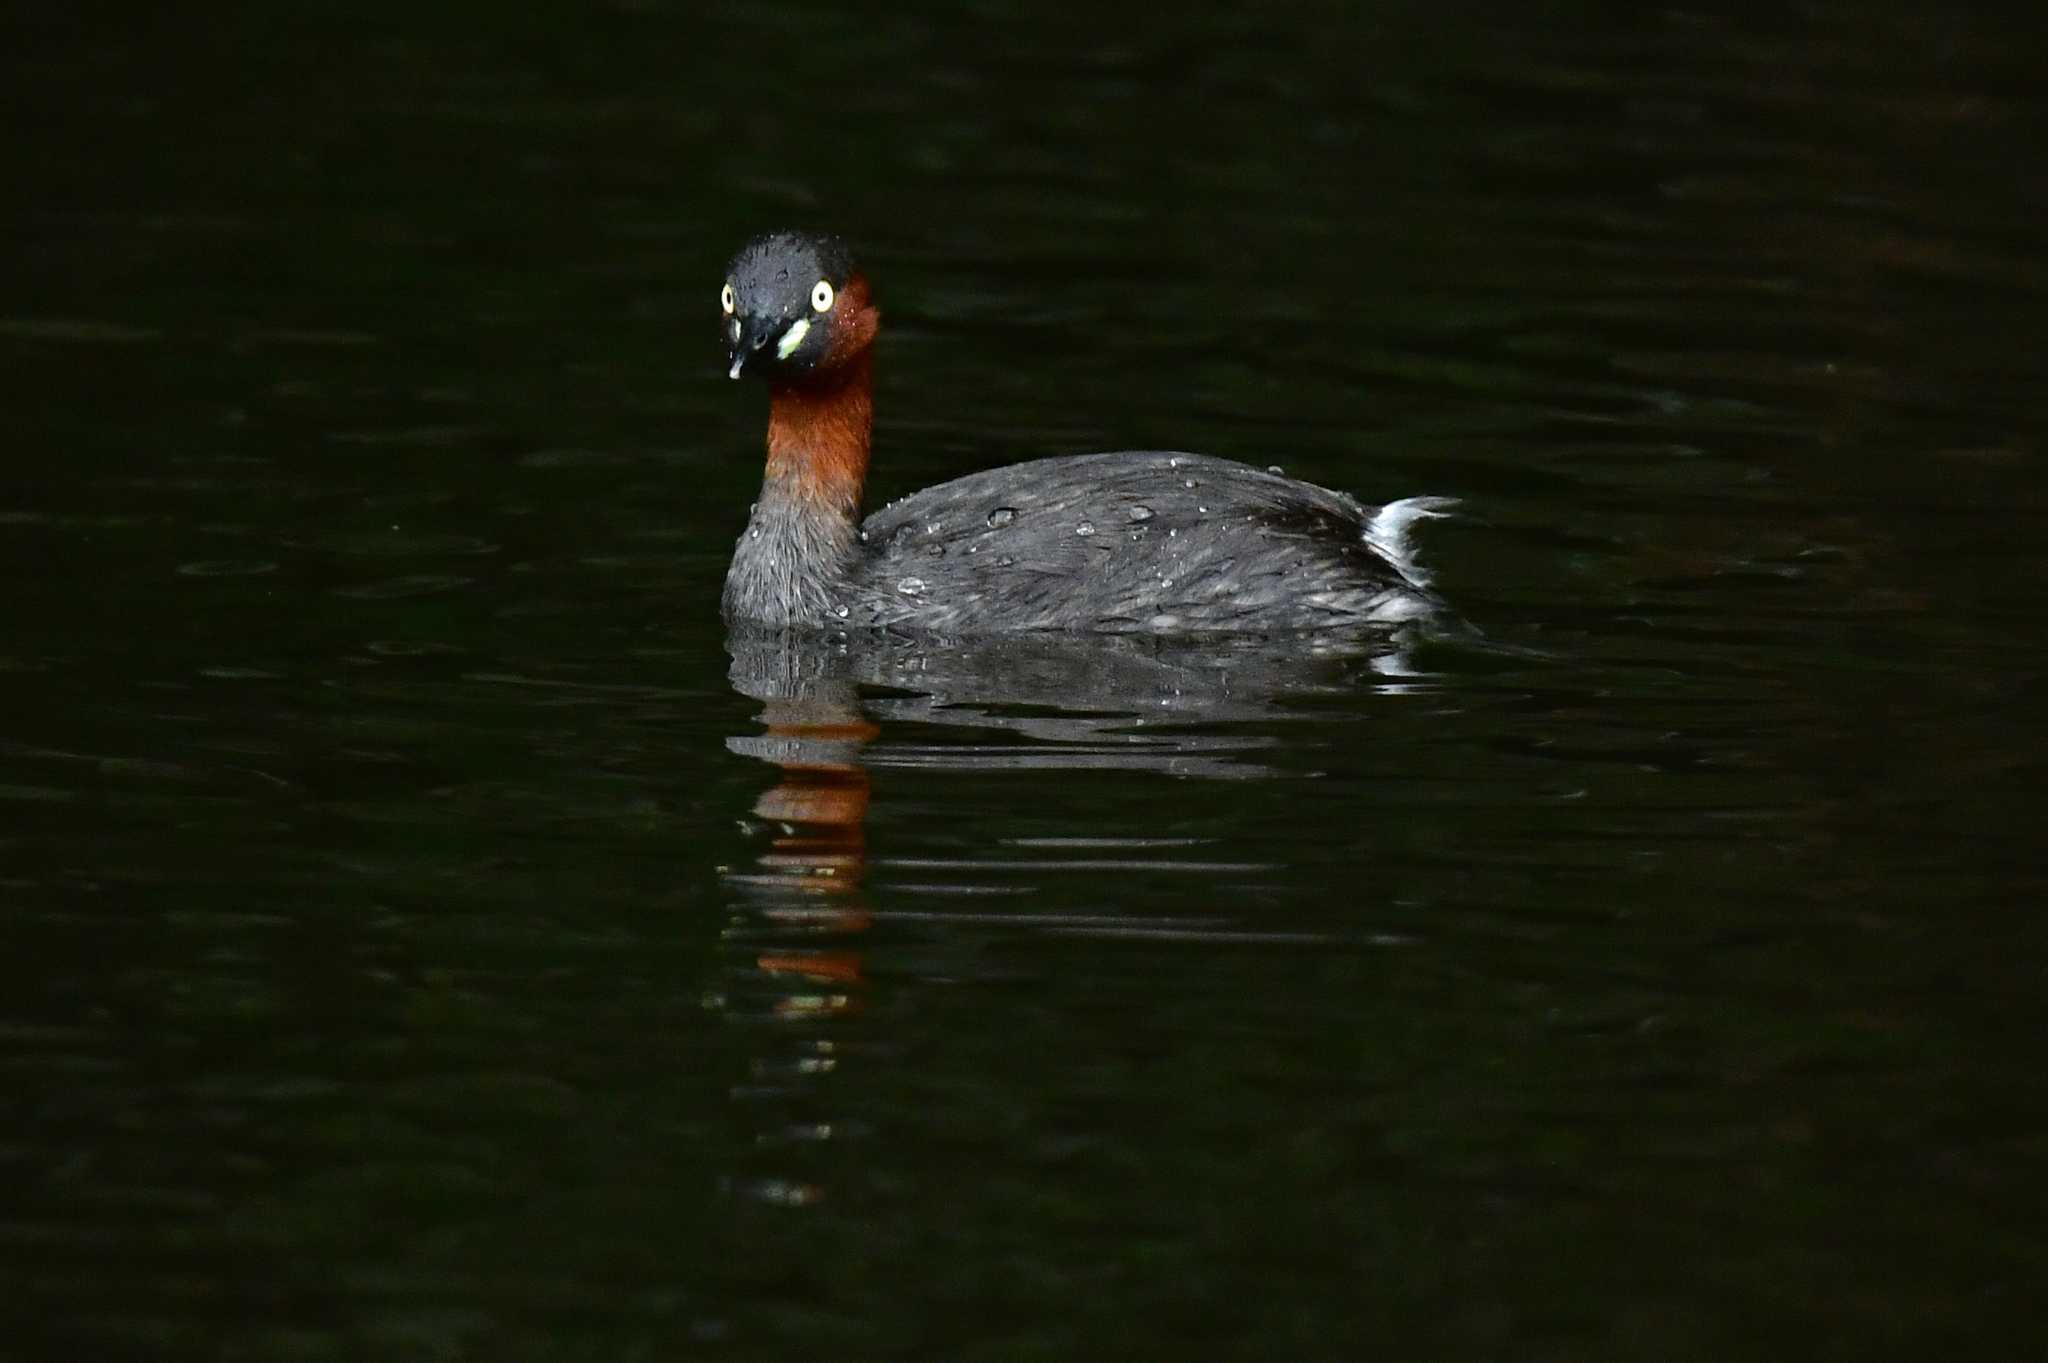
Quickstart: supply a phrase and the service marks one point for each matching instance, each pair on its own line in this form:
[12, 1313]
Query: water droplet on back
[1001, 517]
[1084, 528]
[1141, 513]
[1192, 482]
[1005, 561]
[935, 551]
[911, 586]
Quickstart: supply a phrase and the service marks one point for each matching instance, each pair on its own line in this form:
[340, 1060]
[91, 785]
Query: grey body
[1127, 541]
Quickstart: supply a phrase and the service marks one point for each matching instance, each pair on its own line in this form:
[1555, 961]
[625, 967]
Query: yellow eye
[727, 301]
[821, 295]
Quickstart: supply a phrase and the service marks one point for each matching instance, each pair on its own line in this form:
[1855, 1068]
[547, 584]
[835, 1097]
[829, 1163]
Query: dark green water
[423, 939]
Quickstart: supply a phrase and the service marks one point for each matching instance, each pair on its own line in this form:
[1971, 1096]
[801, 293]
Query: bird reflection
[795, 945]
[809, 878]
[791, 958]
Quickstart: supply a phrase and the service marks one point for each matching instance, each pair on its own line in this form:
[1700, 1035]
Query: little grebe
[1132, 540]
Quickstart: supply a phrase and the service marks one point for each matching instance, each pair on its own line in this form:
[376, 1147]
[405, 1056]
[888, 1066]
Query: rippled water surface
[428, 936]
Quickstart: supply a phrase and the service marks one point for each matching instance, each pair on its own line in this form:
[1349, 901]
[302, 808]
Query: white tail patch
[1387, 532]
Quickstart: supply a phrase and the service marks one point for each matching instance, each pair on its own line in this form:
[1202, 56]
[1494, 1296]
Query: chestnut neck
[819, 433]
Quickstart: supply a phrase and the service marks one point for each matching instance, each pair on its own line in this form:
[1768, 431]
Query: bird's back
[1130, 540]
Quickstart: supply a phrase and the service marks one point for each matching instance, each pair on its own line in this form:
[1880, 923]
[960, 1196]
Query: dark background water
[425, 940]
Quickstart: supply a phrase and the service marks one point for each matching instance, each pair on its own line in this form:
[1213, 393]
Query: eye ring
[728, 300]
[821, 295]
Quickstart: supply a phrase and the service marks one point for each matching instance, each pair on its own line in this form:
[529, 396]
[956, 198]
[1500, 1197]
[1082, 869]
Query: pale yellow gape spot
[821, 300]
